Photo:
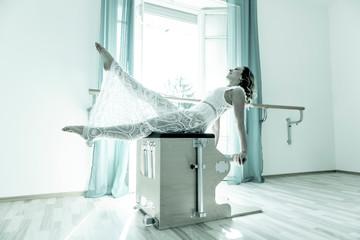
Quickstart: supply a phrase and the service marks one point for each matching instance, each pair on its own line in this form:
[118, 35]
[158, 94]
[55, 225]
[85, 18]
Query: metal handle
[199, 144]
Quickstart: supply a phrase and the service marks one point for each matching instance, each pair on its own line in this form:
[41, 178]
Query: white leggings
[169, 119]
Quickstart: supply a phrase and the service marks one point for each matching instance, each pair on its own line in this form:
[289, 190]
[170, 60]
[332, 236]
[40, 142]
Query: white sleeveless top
[214, 105]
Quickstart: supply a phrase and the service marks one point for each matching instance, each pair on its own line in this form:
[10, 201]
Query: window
[184, 49]
[177, 38]
[214, 57]
[170, 52]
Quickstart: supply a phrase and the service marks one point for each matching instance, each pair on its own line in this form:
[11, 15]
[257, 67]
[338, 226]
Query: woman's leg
[121, 132]
[158, 102]
[181, 121]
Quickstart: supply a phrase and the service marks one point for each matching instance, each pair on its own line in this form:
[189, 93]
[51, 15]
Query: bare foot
[74, 129]
[105, 55]
[88, 136]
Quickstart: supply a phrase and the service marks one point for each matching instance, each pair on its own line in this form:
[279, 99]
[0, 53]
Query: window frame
[202, 37]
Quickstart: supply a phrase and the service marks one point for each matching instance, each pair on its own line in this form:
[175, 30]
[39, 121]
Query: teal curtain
[243, 50]
[109, 172]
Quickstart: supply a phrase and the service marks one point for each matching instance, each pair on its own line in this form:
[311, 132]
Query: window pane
[170, 55]
[215, 63]
[215, 25]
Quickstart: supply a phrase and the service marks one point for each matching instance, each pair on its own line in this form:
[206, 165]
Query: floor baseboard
[299, 173]
[42, 196]
[348, 172]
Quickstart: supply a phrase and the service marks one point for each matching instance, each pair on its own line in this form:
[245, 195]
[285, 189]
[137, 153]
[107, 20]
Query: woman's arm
[216, 130]
[238, 101]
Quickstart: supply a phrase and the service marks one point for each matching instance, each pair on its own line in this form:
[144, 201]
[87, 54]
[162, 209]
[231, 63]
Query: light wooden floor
[312, 206]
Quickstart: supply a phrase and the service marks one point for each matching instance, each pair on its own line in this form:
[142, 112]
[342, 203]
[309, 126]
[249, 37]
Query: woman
[154, 113]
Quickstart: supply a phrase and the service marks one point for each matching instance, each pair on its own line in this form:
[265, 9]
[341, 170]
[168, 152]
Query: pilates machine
[177, 175]
[176, 178]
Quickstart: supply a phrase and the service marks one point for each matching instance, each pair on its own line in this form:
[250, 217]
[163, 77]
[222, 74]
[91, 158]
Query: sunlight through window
[170, 54]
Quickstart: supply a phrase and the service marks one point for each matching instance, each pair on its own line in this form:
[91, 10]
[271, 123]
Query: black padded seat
[180, 135]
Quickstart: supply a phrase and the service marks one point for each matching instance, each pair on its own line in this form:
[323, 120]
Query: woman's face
[234, 76]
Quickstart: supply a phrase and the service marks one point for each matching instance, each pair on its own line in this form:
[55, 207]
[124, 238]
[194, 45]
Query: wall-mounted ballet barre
[289, 122]
[264, 108]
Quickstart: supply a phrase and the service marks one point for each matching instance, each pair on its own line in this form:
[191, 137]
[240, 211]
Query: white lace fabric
[216, 101]
[126, 110]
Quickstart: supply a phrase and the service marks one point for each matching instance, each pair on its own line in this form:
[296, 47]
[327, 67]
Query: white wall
[345, 64]
[48, 61]
[296, 70]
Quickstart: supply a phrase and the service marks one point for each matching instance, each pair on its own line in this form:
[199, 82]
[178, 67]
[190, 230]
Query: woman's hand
[239, 158]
